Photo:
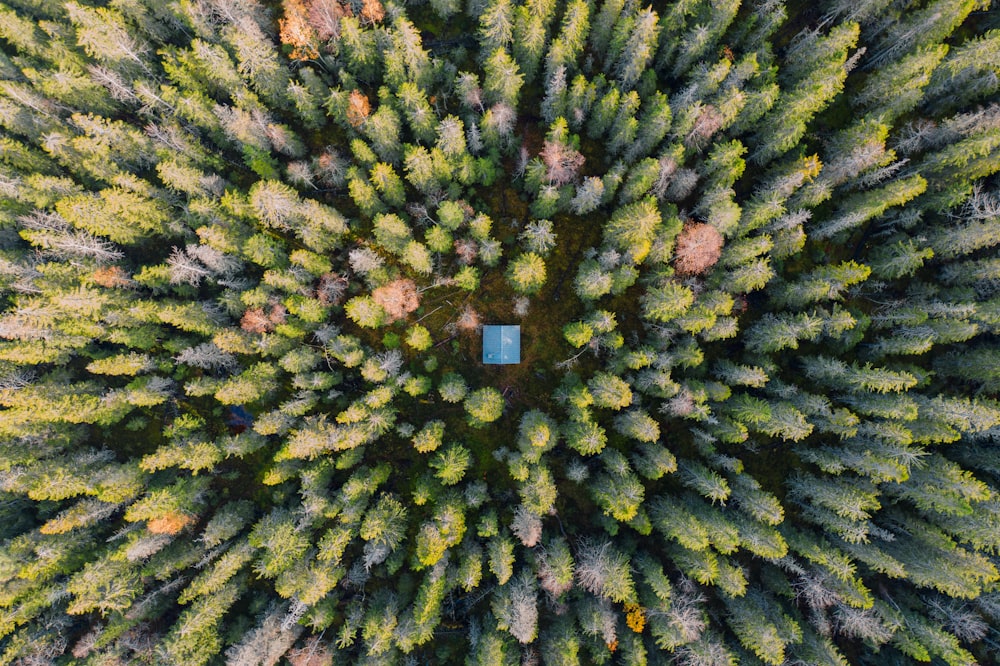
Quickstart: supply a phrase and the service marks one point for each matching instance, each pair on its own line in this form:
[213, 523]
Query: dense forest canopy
[247, 249]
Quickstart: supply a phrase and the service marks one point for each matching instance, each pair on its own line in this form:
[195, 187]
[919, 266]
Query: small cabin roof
[501, 344]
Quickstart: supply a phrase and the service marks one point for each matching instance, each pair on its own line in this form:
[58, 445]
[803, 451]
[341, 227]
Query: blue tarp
[501, 344]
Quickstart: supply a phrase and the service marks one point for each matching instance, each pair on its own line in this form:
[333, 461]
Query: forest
[248, 249]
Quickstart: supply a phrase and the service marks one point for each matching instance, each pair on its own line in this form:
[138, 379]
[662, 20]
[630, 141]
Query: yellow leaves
[635, 617]
[121, 364]
[117, 214]
[810, 167]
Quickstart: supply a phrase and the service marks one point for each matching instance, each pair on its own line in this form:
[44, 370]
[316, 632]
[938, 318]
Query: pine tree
[496, 25]
[920, 29]
[569, 43]
[968, 72]
[703, 35]
[639, 49]
[589, 195]
[618, 491]
[503, 79]
[761, 626]
[554, 103]
[604, 572]
[527, 273]
[811, 92]
[484, 406]
[419, 115]
[898, 88]
[530, 34]
[586, 437]
[633, 227]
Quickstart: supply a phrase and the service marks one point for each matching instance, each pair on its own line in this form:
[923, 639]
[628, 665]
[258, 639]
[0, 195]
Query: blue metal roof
[501, 344]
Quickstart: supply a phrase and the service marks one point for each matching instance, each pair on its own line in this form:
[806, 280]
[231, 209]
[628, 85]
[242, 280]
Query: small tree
[452, 388]
[699, 247]
[609, 391]
[366, 312]
[484, 406]
[592, 281]
[589, 195]
[297, 31]
[578, 333]
[526, 526]
[562, 161]
[358, 108]
[451, 464]
[516, 608]
[397, 299]
[603, 571]
[419, 338]
[429, 437]
[585, 437]
[527, 273]
[539, 237]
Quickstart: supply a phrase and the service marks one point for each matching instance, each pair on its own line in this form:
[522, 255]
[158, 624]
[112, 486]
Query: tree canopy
[247, 250]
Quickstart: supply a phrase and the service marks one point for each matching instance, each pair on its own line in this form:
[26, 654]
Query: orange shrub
[255, 321]
[372, 11]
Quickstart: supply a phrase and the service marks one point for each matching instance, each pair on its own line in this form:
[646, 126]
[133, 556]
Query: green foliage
[578, 333]
[419, 338]
[609, 391]
[527, 273]
[452, 387]
[451, 464]
[365, 312]
[483, 406]
[753, 421]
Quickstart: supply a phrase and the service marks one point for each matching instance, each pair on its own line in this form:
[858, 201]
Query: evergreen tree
[211, 208]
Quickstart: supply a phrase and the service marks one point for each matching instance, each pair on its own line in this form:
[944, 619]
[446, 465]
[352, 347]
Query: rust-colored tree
[297, 32]
[358, 108]
[468, 320]
[170, 523]
[699, 247]
[111, 277]
[398, 298]
[562, 161]
[313, 653]
[256, 320]
[372, 12]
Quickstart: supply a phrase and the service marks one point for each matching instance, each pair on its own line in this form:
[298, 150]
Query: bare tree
[562, 161]
[265, 644]
[526, 526]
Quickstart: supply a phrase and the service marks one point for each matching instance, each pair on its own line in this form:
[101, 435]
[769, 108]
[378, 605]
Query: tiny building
[501, 345]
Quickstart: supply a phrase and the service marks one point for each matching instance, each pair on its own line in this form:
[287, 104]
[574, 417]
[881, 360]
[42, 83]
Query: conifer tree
[247, 249]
